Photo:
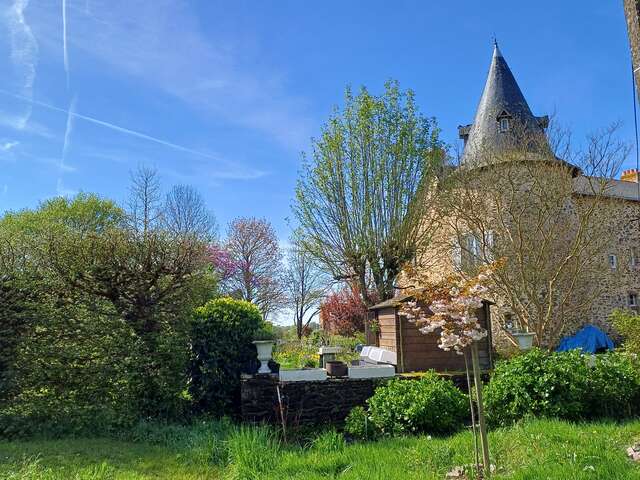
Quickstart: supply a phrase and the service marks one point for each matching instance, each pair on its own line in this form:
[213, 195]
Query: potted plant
[264, 341]
[336, 368]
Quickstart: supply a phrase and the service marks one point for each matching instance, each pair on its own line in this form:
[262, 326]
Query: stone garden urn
[524, 339]
[265, 349]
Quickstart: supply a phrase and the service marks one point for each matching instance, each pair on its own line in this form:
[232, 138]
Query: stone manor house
[503, 111]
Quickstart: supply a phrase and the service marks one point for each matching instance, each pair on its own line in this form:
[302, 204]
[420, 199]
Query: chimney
[630, 175]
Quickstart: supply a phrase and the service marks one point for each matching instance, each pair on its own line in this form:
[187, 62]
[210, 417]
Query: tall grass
[253, 451]
[538, 449]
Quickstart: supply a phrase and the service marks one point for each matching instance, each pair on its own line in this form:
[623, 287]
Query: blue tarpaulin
[589, 339]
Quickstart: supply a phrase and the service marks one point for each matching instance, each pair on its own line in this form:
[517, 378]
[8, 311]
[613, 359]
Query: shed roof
[397, 300]
[392, 302]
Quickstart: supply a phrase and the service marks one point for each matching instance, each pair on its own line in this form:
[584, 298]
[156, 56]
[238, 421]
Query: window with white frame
[504, 125]
[613, 261]
[474, 249]
[632, 299]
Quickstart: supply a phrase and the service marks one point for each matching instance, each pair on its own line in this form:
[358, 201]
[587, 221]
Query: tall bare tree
[145, 199]
[546, 222]
[362, 194]
[253, 245]
[306, 286]
[185, 212]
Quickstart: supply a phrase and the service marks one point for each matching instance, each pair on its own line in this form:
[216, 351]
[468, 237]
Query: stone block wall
[326, 402]
[304, 403]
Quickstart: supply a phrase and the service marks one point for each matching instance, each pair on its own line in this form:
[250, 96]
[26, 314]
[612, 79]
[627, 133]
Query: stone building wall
[632, 14]
[617, 283]
[611, 287]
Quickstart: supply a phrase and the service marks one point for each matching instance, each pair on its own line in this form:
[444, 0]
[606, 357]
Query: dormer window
[504, 121]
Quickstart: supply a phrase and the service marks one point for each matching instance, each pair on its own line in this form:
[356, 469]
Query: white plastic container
[306, 375]
[372, 371]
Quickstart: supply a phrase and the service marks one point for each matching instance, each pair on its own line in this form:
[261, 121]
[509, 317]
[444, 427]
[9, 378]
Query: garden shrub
[75, 373]
[627, 323]
[538, 383]
[614, 386]
[562, 385]
[221, 336]
[357, 424]
[429, 405]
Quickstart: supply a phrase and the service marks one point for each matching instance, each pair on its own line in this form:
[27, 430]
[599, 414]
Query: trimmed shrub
[614, 386]
[429, 405]
[221, 336]
[562, 385]
[538, 383]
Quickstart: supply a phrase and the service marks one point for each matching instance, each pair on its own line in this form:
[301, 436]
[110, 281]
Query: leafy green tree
[363, 193]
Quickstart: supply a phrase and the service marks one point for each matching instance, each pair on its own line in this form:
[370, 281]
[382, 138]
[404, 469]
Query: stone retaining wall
[303, 403]
[309, 403]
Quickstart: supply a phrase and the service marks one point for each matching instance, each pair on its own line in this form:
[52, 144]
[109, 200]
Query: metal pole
[475, 361]
[473, 416]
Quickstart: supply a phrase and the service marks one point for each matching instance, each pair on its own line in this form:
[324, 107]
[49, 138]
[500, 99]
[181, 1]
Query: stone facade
[510, 159]
[622, 280]
[632, 13]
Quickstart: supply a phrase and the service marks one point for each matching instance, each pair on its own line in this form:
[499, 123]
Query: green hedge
[565, 385]
[221, 336]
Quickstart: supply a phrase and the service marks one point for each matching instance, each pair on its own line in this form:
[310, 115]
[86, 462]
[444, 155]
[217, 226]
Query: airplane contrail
[112, 126]
[67, 143]
[64, 40]
[24, 53]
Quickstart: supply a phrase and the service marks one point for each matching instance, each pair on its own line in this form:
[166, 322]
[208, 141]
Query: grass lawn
[534, 450]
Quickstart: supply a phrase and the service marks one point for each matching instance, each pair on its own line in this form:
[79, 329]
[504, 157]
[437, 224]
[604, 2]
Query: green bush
[538, 383]
[357, 424]
[614, 386]
[429, 405]
[221, 336]
[562, 385]
[627, 323]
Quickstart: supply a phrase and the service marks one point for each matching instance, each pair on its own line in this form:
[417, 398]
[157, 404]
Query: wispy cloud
[8, 145]
[222, 169]
[161, 42]
[23, 57]
[32, 127]
[5, 189]
[67, 143]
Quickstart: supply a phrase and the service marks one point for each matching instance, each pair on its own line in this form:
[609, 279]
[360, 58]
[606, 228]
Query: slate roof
[584, 185]
[501, 98]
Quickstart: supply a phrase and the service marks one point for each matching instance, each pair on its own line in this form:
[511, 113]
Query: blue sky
[225, 95]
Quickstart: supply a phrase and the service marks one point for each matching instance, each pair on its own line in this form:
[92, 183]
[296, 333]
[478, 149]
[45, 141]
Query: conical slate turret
[503, 119]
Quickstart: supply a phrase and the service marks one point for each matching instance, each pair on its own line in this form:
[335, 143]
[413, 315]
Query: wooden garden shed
[415, 350]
